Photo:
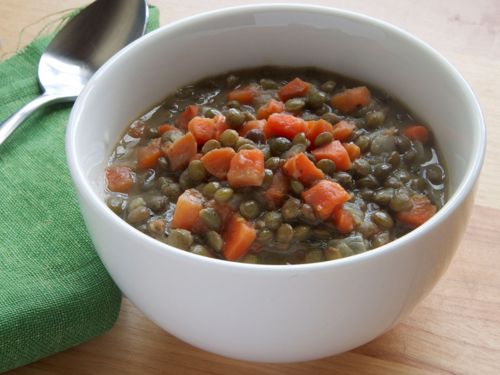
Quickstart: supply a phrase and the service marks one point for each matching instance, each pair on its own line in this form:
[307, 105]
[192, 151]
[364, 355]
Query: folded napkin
[54, 290]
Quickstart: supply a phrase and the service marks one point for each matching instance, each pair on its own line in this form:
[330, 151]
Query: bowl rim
[465, 187]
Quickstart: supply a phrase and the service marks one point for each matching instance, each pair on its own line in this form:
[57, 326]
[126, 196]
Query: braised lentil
[391, 171]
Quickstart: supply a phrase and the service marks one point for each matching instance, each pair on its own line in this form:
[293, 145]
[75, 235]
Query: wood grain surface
[455, 330]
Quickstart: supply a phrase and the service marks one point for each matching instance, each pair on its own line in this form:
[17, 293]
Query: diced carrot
[202, 128]
[294, 88]
[284, 125]
[218, 161]
[238, 237]
[246, 169]
[136, 129]
[244, 96]
[276, 192]
[220, 125]
[165, 128]
[181, 151]
[342, 130]
[348, 100]
[335, 152]
[417, 133]
[119, 179]
[343, 220]
[183, 120]
[421, 211]
[325, 197]
[302, 169]
[251, 125]
[272, 106]
[147, 157]
[316, 127]
[187, 210]
[353, 150]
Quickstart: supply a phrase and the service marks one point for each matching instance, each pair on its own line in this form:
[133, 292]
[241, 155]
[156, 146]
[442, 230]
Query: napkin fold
[54, 291]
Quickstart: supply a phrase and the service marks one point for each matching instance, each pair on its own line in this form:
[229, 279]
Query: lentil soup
[276, 165]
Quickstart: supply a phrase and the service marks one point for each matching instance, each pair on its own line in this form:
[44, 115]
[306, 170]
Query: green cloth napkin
[54, 291]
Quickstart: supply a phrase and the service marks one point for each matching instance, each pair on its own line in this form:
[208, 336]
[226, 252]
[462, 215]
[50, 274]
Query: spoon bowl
[85, 43]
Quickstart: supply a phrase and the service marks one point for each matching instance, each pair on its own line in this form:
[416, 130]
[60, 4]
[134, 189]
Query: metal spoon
[85, 43]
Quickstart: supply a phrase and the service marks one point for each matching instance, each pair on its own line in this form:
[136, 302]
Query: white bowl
[276, 313]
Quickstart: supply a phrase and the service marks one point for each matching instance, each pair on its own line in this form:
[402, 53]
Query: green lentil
[210, 188]
[185, 181]
[295, 104]
[363, 142]
[201, 250]
[374, 118]
[215, 241]
[403, 144]
[246, 146]
[210, 145]
[331, 117]
[249, 209]
[316, 98]
[272, 220]
[394, 159]
[171, 190]
[115, 204]
[242, 141]
[332, 253]
[256, 135]
[381, 171]
[138, 215]
[229, 137]
[157, 226]
[157, 203]
[323, 139]
[400, 201]
[297, 187]
[279, 145]
[327, 166]
[329, 86]
[268, 178]
[383, 197]
[380, 239]
[211, 112]
[301, 139]
[382, 219]
[180, 238]
[265, 236]
[435, 174]
[210, 218]
[273, 163]
[223, 194]
[284, 233]
[291, 209]
[234, 117]
[362, 167]
[268, 84]
[302, 232]
[197, 171]
[313, 256]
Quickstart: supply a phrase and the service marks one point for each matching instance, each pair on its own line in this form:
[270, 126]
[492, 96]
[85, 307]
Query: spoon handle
[12, 122]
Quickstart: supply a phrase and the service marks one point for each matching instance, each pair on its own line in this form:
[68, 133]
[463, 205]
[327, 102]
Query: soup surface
[276, 165]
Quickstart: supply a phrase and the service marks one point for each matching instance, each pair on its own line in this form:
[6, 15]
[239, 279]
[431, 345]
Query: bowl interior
[144, 73]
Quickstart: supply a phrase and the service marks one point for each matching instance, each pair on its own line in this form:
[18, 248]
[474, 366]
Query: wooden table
[455, 330]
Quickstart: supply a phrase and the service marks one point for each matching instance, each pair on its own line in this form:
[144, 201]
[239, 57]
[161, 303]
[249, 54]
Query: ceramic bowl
[263, 312]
